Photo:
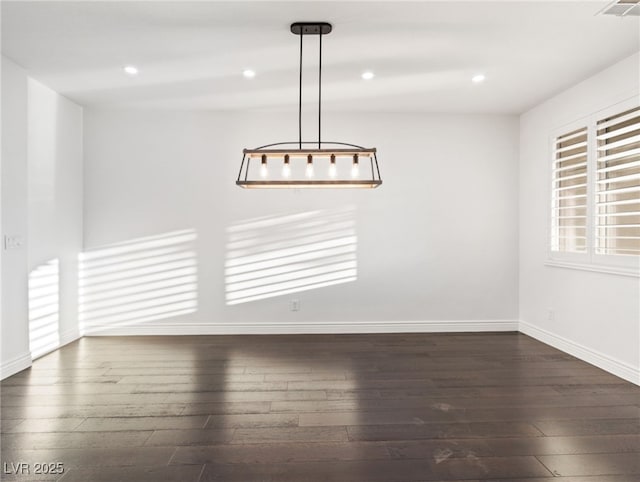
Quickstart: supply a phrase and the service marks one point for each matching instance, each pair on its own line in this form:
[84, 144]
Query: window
[570, 192]
[595, 193]
[618, 184]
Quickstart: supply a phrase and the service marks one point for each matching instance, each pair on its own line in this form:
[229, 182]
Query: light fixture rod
[300, 96]
[305, 142]
[337, 151]
[310, 28]
[242, 165]
[372, 183]
[320, 92]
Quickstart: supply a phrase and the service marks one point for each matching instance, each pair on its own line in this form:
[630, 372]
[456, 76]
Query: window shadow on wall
[277, 255]
[44, 308]
[138, 281]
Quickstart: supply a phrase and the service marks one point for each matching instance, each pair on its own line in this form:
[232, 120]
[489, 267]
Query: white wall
[55, 194]
[597, 315]
[41, 204]
[436, 244]
[14, 332]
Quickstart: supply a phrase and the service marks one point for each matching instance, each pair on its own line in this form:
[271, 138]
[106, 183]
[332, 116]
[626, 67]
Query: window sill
[617, 270]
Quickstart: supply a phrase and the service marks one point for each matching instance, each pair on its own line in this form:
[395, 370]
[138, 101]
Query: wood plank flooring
[361, 408]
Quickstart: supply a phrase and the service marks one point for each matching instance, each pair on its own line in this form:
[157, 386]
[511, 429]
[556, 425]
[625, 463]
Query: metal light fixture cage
[334, 165]
[314, 164]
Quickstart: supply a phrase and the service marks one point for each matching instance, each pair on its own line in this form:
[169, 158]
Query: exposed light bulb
[309, 171]
[286, 169]
[263, 166]
[355, 168]
[332, 167]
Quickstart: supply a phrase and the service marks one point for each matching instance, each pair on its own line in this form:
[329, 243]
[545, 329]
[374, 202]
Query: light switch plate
[13, 241]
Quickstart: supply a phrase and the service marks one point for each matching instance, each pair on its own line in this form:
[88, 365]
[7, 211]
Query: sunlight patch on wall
[137, 281]
[44, 308]
[278, 255]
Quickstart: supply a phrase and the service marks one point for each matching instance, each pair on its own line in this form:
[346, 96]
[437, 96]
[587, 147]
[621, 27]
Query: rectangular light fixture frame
[301, 155]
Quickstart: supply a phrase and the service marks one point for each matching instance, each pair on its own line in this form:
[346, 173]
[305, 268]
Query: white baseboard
[69, 336]
[612, 365]
[243, 328]
[66, 337]
[15, 365]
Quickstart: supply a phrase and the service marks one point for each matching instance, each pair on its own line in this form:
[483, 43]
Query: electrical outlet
[13, 241]
[294, 305]
[551, 314]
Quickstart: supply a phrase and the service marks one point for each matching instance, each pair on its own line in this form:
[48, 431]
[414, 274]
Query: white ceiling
[191, 54]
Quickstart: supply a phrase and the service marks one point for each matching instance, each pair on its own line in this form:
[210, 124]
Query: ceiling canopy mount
[311, 28]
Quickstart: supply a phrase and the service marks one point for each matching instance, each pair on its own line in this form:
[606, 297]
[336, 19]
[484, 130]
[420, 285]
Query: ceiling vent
[622, 8]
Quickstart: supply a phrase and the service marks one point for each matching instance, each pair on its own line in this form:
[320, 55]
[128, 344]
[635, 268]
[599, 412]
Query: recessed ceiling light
[130, 70]
[368, 75]
[476, 79]
[248, 74]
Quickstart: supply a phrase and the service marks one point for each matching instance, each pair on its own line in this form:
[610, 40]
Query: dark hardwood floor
[400, 407]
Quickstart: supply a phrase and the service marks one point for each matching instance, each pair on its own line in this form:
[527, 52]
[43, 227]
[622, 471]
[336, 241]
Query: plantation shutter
[617, 203]
[569, 193]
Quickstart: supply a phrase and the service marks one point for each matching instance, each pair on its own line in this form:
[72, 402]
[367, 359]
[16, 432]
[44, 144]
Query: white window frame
[590, 261]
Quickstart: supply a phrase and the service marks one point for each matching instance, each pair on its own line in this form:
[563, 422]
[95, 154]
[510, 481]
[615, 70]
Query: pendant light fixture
[304, 164]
